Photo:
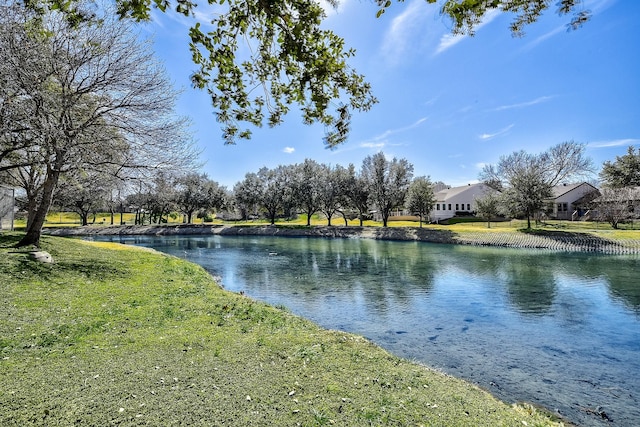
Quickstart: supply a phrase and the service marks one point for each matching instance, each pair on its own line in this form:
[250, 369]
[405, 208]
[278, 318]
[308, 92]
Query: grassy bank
[115, 335]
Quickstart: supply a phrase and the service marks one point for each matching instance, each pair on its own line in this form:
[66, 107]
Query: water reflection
[560, 330]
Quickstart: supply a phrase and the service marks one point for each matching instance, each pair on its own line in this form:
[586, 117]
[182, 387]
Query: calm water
[555, 329]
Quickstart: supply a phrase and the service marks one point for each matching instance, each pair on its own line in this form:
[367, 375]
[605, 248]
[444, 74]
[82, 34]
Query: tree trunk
[32, 205]
[34, 229]
[344, 217]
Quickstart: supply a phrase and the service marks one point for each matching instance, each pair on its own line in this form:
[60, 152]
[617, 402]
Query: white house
[457, 200]
[564, 203]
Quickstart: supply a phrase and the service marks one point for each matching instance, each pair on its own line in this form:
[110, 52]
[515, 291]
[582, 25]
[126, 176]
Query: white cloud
[431, 101]
[288, 150]
[379, 141]
[449, 40]
[480, 165]
[405, 29]
[524, 104]
[372, 144]
[614, 143]
[486, 136]
[544, 37]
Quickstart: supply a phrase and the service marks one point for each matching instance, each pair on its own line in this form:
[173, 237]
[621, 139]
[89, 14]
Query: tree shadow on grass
[9, 240]
[93, 265]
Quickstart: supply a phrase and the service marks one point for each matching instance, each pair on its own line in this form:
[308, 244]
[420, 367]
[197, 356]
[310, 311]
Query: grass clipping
[106, 336]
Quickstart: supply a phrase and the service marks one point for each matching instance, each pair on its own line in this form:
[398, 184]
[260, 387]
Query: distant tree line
[281, 192]
[522, 184]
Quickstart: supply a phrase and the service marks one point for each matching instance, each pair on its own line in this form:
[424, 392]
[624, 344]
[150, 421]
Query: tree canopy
[466, 15]
[624, 171]
[291, 59]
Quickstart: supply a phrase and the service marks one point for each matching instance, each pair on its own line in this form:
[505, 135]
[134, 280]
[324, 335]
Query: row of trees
[381, 185]
[522, 182]
[310, 187]
[284, 191]
[152, 200]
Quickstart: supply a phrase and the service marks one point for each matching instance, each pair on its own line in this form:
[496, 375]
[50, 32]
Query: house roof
[562, 189]
[451, 192]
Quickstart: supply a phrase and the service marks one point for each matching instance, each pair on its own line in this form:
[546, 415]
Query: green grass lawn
[118, 335]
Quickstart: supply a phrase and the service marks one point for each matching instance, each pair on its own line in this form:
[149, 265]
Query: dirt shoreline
[555, 241]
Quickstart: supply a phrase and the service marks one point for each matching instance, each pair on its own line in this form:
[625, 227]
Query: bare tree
[333, 191]
[420, 197]
[84, 192]
[276, 194]
[357, 192]
[388, 182]
[526, 180]
[196, 192]
[247, 195]
[488, 206]
[618, 205]
[96, 98]
[307, 182]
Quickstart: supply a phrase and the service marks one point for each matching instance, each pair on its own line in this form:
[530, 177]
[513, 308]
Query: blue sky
[448, 104]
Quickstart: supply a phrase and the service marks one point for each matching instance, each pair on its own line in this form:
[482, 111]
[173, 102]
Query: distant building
[457, 201]
[571, 201]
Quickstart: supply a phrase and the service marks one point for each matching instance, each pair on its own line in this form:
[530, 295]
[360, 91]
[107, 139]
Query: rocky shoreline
[552, 240]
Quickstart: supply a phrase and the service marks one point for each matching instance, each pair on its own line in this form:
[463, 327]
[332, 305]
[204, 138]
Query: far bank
[534, 239]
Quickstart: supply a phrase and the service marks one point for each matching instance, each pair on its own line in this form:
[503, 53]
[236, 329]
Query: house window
[457, 207]
[468, 206]
[562, 207]
[437, 206]
[449, 206]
